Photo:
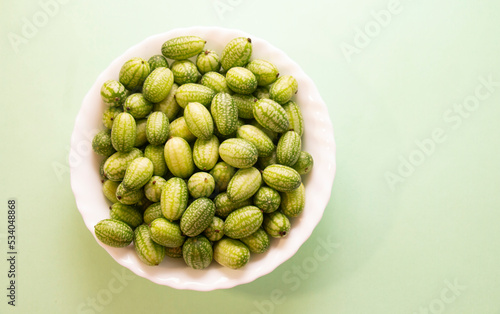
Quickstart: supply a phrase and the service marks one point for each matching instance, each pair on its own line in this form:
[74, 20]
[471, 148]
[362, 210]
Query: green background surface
[426, 243]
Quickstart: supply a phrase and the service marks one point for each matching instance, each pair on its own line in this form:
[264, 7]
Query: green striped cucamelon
[174, 198]
[197, 217]
[138, 174]
[222, 173]
[169, 105]
[158, 84]
[271, 115]
[185, 72]
[126, 213]
[215, 231]
[295, 117]
[231, 253]
[101, 143]
[109, 116]
[109, 190]
[245, 105]
[194, 93]
[153, 188]
[156, 154]
[149, 252]
[174, 252]
[265, 72]
[241, 81]
[238, 153]
[243, 222]
[258, 138]
[281, 178]
[182, 47]
[236, 53]
[201, 184]
[293, 202]
[198, 120]
[166, 233]
[276, 224]
[114, 233]
[133, 73]
[304, 164]
[258, 242]
[267, 199]
[244, 184]
[224, 206]
[123, 133]
[206, 153]
[179, 157]
[116, 165]
[138, 106]
[157, 128]
[283, 89]
[197, 252]
[208, 61]
[113, 93]
[128, 197]
[157, 61]
[178, 128]
[224, 113]
[288, 148]
[140, 137]
[271, 134]
[152, 212]
[216, 82]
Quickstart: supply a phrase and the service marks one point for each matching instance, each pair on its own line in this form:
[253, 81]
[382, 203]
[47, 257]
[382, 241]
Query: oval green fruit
[138, 174]
[295, 117]
[244, 184]
[133, 73]
[116, 165]
[140, 136]
[238, 153]
[281, 178]
[109, 190]
[267, 199]
[156, 154]
[208, 61]
[258, 242]
[215, 230]
[128, 197]
[185, 72]
[231, 253]
[157, 61]
[158, 84]
[201, 184]
[283, 89]
[222, 173]
[109, 116]
[182, 47]
[157, 128]
[149, 252]
[126, 213]
[206, 153]
[271, 115]
[276, 224]
[152, 212]
[153, 188]
[197, 252]
[197, 217]
[243, 222]
[191, 92]
[174, 198]
[101, 143]
[288, 148]
[271, 134]
[178, 128]
[224, 113]
[258, 138]
[166, 233]
[123, 133]
[114, 233]
[138, 106]
[241, 81]
[245, 105]
[179, 157]
[113, 93]
[304, 164]
[293, 202]
[224, 206]
[236, 53]
[198, 120]
[216, 82]
[169, 105]
[265, 72]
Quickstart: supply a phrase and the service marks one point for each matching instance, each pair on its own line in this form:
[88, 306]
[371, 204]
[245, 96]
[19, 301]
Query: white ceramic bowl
[318, 140]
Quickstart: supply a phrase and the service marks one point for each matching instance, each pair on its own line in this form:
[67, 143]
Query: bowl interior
[317, 140]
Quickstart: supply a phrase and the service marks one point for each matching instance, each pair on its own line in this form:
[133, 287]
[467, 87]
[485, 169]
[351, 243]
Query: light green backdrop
[415, 211]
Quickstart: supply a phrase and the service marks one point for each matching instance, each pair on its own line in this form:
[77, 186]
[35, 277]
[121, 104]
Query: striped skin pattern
[157, 61]
[271, 115]
[185, 72]
[208, 61]
[265, 72]
[206, 153]
[271, 134]
[109, 116]
[245, 105]
[224, 206]
[239, 123]
[222, 173]
[173, 252]
[281, 178]
[166, 233]
[174, 198]
[197, 252]
[201, 184]
[258, 138]
[283, 89]
[288, 148]
[197, 216]
[241, 81]
[198, 120]
[261, 92]
[267, 199]
[128, 197]
[153, 188]
[178, 128]
[126, 213]
[238, 153]
[156, 154]
[179, 157]
[169, 105]
[152, 212]
[123, 133]
[237, 53]
[258, 242]
[276, 224]
[158, 84]
[116, 165]
[138, 106]
[191, 92]
[109, 190]
[113, 93]
[157, 128]
[304, 164]
[133, 73]
[224, 113]
[243, 222]
[244, 184]
[293, 202]
[183, 47]
[295, 117]
[101, 144]
[215, 231]
[231, 253]
[114, 233]
[138, 174]
[216, 82]
[149, 252]
[140, 137]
